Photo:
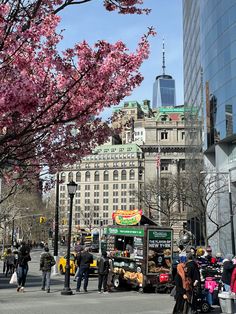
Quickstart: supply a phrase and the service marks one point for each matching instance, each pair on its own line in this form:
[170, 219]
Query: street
[38, 302]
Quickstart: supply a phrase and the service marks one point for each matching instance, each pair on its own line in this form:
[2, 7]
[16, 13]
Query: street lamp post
[231, 215]
[72, 186]
[56, 227]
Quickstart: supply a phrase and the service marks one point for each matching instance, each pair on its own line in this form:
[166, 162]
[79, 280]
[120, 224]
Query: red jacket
[233, 281]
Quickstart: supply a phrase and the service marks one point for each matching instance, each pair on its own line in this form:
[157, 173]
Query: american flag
[158, 161]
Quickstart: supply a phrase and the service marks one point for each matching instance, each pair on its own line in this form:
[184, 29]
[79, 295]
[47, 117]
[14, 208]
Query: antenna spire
[163, 56]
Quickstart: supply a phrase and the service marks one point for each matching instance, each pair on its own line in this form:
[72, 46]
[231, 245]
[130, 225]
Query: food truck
[141, 250]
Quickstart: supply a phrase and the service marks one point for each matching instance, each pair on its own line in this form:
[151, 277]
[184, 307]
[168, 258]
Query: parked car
[73, 266]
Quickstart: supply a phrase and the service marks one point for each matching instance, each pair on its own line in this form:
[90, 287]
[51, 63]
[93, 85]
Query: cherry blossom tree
[50, 101]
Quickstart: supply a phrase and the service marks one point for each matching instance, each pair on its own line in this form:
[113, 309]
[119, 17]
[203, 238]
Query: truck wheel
[116, 282]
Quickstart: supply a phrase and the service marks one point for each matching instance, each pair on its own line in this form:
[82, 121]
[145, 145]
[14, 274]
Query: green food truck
[142, 253]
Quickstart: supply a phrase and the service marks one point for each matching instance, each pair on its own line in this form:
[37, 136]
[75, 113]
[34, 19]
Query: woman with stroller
[183, 290]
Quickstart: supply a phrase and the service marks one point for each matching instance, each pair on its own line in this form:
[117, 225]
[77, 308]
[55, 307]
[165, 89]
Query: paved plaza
[38, 302]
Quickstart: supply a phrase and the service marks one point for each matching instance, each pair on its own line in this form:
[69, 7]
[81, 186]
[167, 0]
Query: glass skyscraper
[164, 91]
[209, 28]
[163, 87]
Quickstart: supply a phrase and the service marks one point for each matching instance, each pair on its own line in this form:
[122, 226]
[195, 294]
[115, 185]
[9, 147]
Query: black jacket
[103, 265]
[228, 267]
[23, 256]
[84, 259]
[193, 272]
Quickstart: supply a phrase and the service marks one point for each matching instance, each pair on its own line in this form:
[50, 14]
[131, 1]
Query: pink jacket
[233, 281]
[210, 284]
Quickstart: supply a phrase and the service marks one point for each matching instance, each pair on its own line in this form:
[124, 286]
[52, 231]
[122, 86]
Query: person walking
[233, 280]
[103, 270]
[22, 266]
[192, 272]
[46, 263]
[10, 262]
[84, 260]
[228, 267]
[183, 291]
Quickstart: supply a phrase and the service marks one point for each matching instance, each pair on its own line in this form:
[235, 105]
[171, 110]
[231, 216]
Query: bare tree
[166, 199]
[203, 191]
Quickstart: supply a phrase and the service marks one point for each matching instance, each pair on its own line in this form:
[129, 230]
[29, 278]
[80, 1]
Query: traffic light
[42, 219]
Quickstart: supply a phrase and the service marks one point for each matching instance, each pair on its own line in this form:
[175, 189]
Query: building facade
[107, 180]
[210, 31]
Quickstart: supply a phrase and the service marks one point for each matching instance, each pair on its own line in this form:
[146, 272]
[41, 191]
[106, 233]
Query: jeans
[209, 298]
[21, 275]
[83, 273]
[227, 287]
[46, 276]
[102, 281]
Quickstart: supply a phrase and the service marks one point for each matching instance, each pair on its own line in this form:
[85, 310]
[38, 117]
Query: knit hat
[229, 257]
[209, 249]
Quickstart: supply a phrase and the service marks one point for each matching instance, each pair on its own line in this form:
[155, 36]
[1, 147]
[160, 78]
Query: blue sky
[92, 22]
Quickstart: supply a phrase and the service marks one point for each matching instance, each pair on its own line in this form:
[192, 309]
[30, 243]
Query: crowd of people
[17, 261]
[189, 279]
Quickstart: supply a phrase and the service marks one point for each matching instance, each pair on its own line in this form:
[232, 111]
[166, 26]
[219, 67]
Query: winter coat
[103, 265]
[233, 281]
[227, 271]
[23, 256]
[193, 272]
[46, 261]
[84, 259]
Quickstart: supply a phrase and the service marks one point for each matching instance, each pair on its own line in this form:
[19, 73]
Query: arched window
[105, 176]
[70, 176]
[123, 175]
[78, 176]
[115, 175]
[131, 174]
[63, 177]
[87, 176]
[96, 176]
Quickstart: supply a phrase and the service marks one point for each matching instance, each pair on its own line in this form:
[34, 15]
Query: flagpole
[159, 184]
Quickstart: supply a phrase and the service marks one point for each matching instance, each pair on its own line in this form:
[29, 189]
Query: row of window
[97, 187]
[97, 194]
[97, 176]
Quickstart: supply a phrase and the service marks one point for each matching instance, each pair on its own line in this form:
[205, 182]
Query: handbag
[13, 279]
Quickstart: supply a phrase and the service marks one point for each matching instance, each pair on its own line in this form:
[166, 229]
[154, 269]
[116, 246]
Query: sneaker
[22, 289]
[77, 290]
[105, 292]
[18, 289]
[85, 290]
[43, 289]
[99, 291]
[48, 290]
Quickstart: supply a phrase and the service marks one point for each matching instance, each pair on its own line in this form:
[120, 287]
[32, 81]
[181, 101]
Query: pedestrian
[46, 263]
[208, 255]
[227, 271]
[10, 262]
[103, 270]
[183, 291]
[84, 260]
[182, 254]
[78, 249]
[110, 273]
[233, 280]
[192, 272]
[22, 266]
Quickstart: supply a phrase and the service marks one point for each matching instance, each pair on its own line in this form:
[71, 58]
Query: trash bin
[226, 302]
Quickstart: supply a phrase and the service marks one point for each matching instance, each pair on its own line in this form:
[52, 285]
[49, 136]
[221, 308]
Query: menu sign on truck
[159, 246]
